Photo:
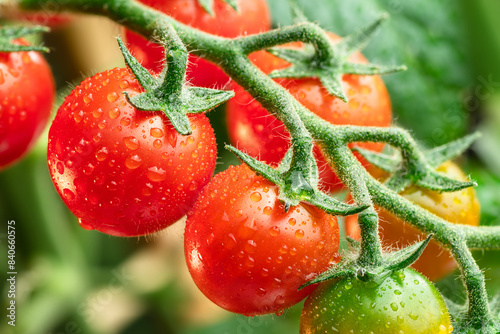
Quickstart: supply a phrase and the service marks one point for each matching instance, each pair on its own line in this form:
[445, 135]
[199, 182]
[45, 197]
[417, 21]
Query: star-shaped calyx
[309, 62]
[422, 173]
[9, 34]
[169, 92]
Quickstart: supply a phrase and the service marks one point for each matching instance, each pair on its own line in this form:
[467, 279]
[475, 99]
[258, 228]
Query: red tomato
[27, 92]
[253, 130]
[246, 254]
[460, 207]
[253, 17]
[122, 171]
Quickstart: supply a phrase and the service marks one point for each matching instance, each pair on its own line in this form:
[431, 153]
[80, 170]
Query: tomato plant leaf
[146, 79]
[9, 34]
[198, 99]
[208, 6]
[388, 163]
[233, 4]
[439, 182]
[341, 269]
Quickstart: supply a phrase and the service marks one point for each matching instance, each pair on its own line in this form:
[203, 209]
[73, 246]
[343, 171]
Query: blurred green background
[76, 281]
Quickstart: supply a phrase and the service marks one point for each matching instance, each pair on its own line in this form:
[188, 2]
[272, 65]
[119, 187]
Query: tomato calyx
[208, 5]
[297, 182]
[9, 34]
[308, 63]
[392, 262]
[169, 92]
[405, 172]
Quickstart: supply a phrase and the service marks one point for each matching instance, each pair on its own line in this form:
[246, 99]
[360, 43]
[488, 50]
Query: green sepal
[298, 15]
[439, 182]
[354, 244]
[291, 198]
[167, 94]
[208, 5]
[388, 163]
[305, 62]
[407, 256]
[9, 34]
[438, 155]
[341, 269]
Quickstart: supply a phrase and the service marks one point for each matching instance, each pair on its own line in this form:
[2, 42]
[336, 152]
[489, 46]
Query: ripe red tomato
[402, 302]
[122, 171]
[253, 130]
[27, 92]
[253, 17]
[460, 207]
[246, 254]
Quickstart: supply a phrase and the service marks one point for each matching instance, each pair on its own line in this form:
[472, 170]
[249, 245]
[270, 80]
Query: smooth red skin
[247, 255]
[253, 17]
[253, 130]
[110, 192]
[27, 92]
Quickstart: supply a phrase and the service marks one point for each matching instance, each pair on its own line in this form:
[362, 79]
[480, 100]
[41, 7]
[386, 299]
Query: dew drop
[267, 210]
[157, 143]
[274, 231]
[60, 167]
[280, 300]
[68, 194]
[133, 161]
[131, 142]
[413, 316]
[88, 169]
[394, 306]
[88, 98]
[299, 234]
[102, 154]
[156, 132]
[112, 97]
[397, 292]
[292, 221]
[125, 121]
[114, 113]
[255, 196]
[84, 225]
[261, 292]
[156, 174]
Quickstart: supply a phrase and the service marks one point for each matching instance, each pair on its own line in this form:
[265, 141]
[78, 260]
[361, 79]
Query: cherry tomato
[123, 171]
[249, 256]
[261, 135]
[461, 207]
[27, 92]
[402, 302]
[253, 17]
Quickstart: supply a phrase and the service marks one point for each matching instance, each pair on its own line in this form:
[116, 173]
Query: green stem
[177, 59]
[482, 237]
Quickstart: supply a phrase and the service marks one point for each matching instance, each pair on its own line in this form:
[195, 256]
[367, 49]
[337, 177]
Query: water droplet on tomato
[133, 161]
[60, 167]
[261, 292]
[112, 97]
[255, 196]
[88, 98]
[124, 84]
[156, 174]
[88, 169]
[102, 154]
[299, 234]
[156, 132]
[84, 225]
[114, 113]
[274, 231]
[131, 143]
[68, 194]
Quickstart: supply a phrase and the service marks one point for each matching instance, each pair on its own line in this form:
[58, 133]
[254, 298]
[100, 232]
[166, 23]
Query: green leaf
[360, 39]
[9, 34]
[383, 161]
[200, 99]
[451, 150]
[233, 4]
[341, 269]
[439, 182]
[208, 6]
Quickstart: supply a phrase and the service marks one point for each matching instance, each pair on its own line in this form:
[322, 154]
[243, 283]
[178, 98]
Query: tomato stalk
[231, 55]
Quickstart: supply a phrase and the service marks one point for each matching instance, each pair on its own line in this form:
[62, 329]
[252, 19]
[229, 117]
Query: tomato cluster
[127, 172]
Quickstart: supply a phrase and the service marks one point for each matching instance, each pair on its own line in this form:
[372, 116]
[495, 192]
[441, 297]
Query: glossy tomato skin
[27, 92]
[246, 254]
[261, 135]
[402, 302]
[253, 17]
[461, 207]
[122, 171]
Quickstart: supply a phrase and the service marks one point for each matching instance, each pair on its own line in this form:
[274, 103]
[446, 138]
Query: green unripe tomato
[403, 302]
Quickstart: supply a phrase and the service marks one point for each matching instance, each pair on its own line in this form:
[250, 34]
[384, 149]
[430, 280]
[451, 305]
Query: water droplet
[400, 319]
[114, 113]
[102, 154]
[280, 300]
[112, 97]
[397, 292]
[292, 221]
[156, 174]
[416, 282]
[124, 84]
[68, 194]
[60, 167]
[88, 98]
[348, 285]
[274, 231]
[413, 316]
[97, 137]
[394, 306]
[299, 234]
[267, 210]
[84, 225]
[133, 161]
[88, 169]
[261, 292]
[255, 196]
[131, 142]
[156, 132]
